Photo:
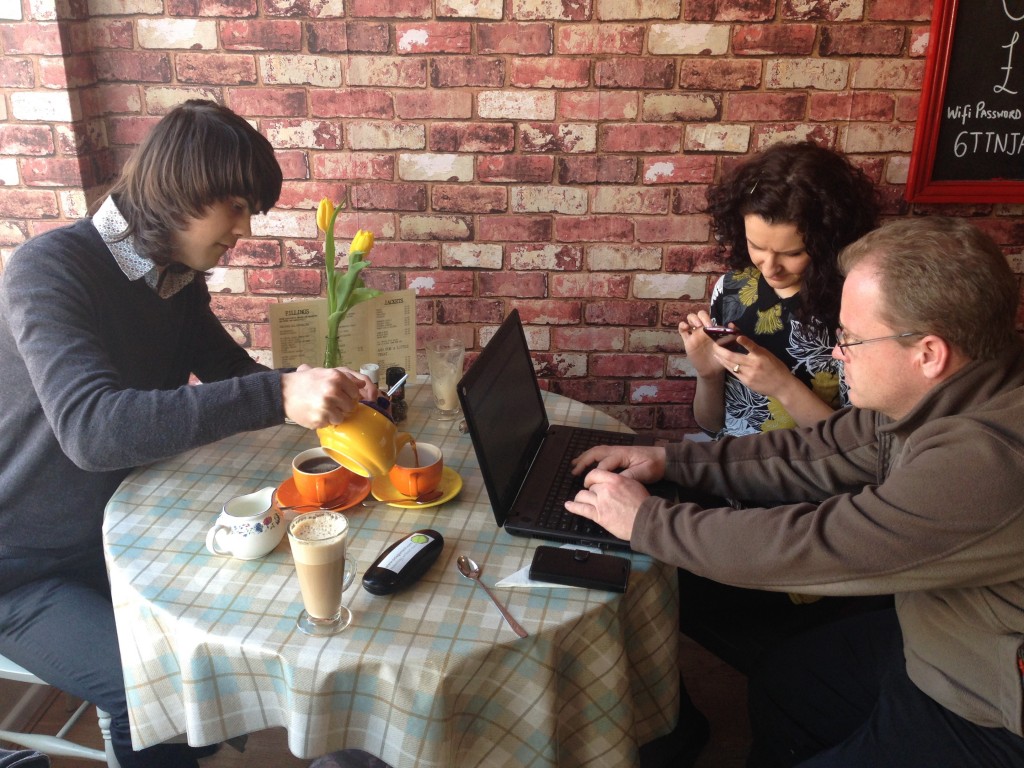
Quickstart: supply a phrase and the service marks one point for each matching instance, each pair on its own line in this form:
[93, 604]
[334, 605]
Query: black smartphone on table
[580, 568]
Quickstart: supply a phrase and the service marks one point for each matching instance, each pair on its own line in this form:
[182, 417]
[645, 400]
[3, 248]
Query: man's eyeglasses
[844, 344]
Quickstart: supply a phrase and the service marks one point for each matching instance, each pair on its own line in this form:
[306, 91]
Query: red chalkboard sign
[969, 142]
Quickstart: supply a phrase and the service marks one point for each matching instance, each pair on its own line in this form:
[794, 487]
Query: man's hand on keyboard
[644, 463]
[611, 499]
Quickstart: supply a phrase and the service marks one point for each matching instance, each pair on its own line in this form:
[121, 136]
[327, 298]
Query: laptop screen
[502, 404]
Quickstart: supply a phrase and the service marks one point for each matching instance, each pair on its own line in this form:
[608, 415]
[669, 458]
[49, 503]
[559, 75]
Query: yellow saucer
[451, 484]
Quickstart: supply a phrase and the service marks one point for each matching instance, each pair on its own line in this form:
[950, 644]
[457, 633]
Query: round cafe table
[431, 676]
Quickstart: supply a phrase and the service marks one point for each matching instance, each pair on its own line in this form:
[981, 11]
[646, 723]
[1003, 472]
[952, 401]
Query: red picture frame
[921, 186]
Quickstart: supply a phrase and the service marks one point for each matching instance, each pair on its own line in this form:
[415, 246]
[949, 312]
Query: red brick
[640, 313]
[589, 390]
[261, 35]
[589, 339]
[212, 8]
[556, 137]
[472, 137]
[519, 284]
[856, 106]
[748, 107]
[646, 138]
[458, 311]
[541, 312]
[515, 229]
[354, 37]
[695, 258]
[407, 255]
[597, 169]
[133, 67]
[111, 99]
[800, 10]
[276, 101]
[774, 39]
[661, 391]
[467, 71]
[845, 40]
[367, 103]
[28, 204]
[689, 199]
[25, 139]
[353, 165]
[40, 38]
[606, 38]
[549, 73]
[514, 168]
[390, 197]
[216, 69]
[521, 39]
[679, 418]
[678, 169]
[598, 229]
[626, 365]
[302, 282]
[240, 309]
[729, 10]
[901, 10]
[402, 9]
[432, 37]
[719, 75]
[590, 285]
[293, 164]
[110, 33]
[67, 72]
[674, 312]
[465, 198]
[599, 105]
[301, 8]
[16, 73]
[659, 229]
[442, 282]
[57, 172]
[412, 105]
[307, 194]
[649, 72]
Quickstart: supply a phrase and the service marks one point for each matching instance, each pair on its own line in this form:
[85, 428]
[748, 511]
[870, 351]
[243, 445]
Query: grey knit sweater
[94, 372]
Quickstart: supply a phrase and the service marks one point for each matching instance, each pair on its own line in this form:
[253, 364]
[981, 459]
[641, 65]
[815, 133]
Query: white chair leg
[104, 720]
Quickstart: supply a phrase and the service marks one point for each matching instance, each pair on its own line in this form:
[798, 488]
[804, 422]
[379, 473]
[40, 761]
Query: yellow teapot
[366, 442]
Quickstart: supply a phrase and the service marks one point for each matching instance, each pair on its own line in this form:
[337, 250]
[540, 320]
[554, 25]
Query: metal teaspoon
[468, 568]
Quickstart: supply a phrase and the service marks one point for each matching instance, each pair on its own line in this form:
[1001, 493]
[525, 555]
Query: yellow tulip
[362, 242]
[324, 212]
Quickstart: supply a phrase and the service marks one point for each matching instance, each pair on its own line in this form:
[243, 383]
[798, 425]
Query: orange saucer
[288, 495]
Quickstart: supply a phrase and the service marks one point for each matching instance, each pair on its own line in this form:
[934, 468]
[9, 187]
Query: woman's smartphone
[717, 332]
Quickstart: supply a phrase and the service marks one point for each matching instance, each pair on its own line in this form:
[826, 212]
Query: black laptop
[525, 461]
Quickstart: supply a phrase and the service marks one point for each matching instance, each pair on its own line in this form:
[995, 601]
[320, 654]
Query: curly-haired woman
[783, 215]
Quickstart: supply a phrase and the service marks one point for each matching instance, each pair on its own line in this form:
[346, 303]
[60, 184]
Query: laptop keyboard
[553, 515]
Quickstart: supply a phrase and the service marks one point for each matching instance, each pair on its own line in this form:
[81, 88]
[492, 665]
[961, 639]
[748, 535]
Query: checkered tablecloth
[428, 677]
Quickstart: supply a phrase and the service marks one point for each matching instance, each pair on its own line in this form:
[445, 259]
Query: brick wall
[551, 156]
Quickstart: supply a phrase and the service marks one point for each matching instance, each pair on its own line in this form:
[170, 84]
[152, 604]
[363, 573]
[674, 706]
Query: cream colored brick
[73, 203]
[498, 105]
[609, 10]
[226, 280]
[567, 200]
[10, 10]
[821, 74]
[669, 287]
[50, 107]
[125, 7]
[280, 223]
[800, 132]
[470, 9]
[475, 255]
[896, 169]
[189, 34]
[641, 340]
[433, 228]
[163, 99]
[9, 176]
[664, 107]
[679, 366]
[433, 166]
[523, 10]
[319, 71]
[688, 39]
[303, 134]
[838, 10]
[43, 10]
[386, 135]
[610, 258]
[872, 137]
[720, 137]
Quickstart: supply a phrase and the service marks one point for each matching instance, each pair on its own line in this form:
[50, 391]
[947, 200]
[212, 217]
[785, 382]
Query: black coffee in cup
[318, 465]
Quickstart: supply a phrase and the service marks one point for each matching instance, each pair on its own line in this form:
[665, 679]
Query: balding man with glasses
[916, 490]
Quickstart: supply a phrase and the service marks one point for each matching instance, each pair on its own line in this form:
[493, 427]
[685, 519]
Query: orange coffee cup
[318, 477]
[411, 477]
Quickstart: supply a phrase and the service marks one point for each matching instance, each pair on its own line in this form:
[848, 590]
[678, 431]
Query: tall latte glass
[318, 547]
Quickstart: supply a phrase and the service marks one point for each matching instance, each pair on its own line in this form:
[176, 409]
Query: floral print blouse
[744, 298]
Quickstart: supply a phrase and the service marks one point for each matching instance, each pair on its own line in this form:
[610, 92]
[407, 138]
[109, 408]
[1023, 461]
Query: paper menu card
[381, 330]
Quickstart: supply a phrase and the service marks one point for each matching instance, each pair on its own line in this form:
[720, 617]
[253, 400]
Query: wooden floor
[715, 688]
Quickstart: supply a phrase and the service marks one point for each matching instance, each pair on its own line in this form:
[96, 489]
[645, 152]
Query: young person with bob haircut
[913, 491]
[102, 323]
